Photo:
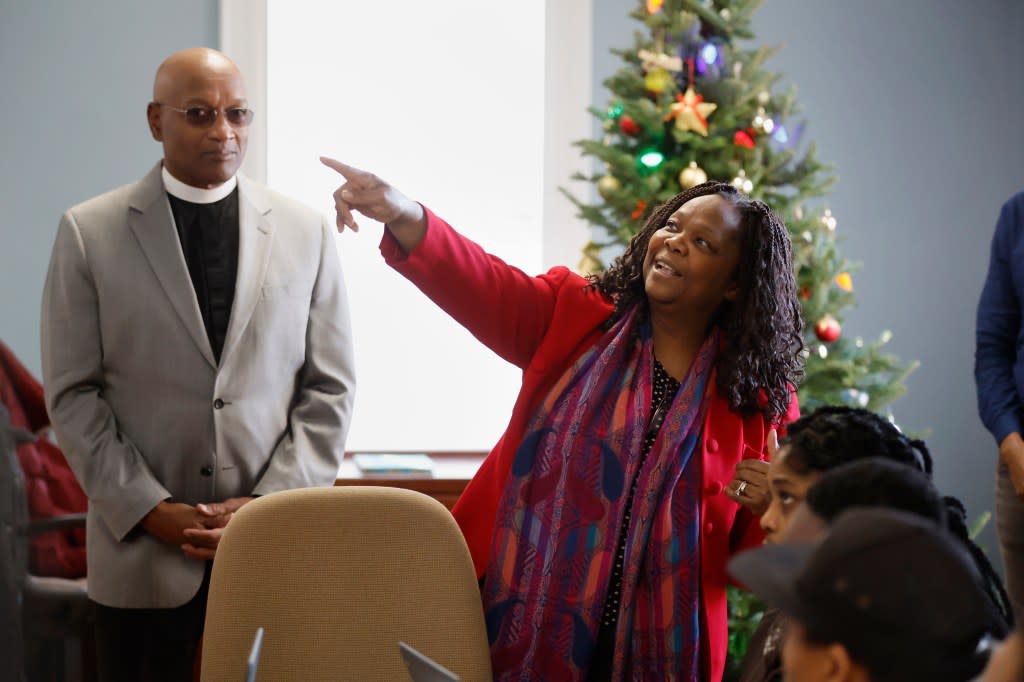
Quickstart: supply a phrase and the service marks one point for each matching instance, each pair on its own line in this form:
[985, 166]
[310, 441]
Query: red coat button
[708, 527]
[713, 488]
[712, 445]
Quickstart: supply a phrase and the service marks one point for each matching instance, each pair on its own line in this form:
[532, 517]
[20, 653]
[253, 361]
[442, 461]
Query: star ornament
[691, 111]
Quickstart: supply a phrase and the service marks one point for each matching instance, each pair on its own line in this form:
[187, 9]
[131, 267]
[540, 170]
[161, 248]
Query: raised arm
[404, 218]
[506, 309]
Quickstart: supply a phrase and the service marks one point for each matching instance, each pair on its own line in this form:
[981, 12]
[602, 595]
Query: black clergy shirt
[209, 240]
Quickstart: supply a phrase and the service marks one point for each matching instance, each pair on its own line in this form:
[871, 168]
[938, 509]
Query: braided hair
[760, 360]
[837, 439]
[875, 482]
[956, 516]
[835, 434]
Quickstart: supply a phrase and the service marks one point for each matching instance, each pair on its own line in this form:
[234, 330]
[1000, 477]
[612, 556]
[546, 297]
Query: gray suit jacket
[138, 404]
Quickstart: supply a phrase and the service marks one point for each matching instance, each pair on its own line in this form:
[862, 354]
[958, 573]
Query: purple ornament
[787, 136]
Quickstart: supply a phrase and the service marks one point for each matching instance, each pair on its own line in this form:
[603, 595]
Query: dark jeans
[150, 645]
[1010, 524]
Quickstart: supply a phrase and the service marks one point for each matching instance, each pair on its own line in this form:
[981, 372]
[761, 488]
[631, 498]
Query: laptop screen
[422, 669]
[254, 656]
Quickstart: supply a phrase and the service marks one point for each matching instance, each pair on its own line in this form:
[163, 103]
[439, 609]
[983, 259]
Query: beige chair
[337, 577]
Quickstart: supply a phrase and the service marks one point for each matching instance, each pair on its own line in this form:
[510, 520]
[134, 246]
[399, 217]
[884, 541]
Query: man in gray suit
[196, 353]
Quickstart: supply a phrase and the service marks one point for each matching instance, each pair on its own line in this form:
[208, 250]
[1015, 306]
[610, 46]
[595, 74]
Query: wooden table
[452, 471]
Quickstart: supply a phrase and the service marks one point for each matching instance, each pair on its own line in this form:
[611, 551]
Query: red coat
[50, 487]
[542, 324]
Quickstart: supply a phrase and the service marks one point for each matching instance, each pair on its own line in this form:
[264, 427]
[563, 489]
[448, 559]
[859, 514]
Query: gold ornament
[742, 182]
[692, 175]
[608, 185]
[828, 220]
[590, 263]
[691, 111]
[654, 5]
[764, 97]
[844, 281]
[657, 80]
[762, 123]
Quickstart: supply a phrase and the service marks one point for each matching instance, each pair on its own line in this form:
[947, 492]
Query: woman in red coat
[598, 522]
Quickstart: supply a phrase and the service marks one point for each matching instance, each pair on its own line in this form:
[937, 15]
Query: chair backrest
[13, 548]
[51, 487]
[337, 577]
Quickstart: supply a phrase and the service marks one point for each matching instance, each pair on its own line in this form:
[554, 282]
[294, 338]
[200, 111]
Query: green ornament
[649, 161]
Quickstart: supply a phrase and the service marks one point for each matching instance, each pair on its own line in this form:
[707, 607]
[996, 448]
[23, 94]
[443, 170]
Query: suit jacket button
[206, 470]
[709, 528]
[714, 488]
[218, 403]
[712, 445]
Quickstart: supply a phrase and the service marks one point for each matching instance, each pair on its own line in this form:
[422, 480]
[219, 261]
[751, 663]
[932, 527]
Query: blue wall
[76, 78]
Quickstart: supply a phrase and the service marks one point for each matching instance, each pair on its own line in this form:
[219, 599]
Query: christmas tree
[692, 102]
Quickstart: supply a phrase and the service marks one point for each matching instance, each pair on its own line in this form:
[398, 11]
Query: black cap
[881, 580]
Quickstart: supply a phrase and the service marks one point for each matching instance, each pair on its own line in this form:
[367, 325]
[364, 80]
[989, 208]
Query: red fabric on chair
[51, 487]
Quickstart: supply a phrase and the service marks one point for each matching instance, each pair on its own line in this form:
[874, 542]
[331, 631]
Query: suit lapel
[255, 235]
[152, 222]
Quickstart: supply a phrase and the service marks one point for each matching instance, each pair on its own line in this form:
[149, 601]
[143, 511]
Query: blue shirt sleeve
[998, 328]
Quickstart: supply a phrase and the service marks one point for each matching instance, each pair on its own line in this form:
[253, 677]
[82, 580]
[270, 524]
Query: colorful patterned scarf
[559, 519]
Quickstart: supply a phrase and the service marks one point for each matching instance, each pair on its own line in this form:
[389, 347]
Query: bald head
[195, 65]
[199, 113]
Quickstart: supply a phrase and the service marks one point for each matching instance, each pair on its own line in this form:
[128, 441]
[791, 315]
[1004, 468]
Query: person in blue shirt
[999, 377]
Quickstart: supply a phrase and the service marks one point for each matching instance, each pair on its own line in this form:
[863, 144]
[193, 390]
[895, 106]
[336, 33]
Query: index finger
[203, 538]
[346, 171]
[773, 443]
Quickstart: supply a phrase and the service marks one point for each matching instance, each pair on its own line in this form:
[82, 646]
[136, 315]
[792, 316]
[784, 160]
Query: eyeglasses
[202, 117]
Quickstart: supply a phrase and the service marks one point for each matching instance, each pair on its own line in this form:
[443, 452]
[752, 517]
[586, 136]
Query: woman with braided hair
[598, 524]
[840, 457]
[882, 482]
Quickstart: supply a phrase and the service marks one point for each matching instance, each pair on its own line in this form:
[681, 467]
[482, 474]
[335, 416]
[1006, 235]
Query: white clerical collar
[196, 195]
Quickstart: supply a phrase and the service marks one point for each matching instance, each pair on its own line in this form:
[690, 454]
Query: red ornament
[628, 126]
[827, 329]
[805, 293]
[744, 138]
[638, 212]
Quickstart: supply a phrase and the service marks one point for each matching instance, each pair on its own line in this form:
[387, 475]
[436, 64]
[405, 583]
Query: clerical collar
[177, 188]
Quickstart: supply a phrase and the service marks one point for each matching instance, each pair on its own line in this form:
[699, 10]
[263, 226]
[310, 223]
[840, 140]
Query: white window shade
[452, 115]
